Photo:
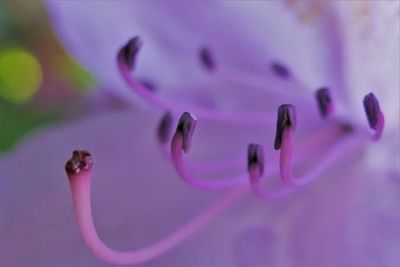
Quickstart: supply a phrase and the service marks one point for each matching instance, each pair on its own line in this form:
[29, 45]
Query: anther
[206, 59]
[286, 120]
[164, 128]
[375, 116]
[255, 158]
[371, 106]
[186, 126]
[128, 53]
[280, 70]
[325, 103]
[81, 160]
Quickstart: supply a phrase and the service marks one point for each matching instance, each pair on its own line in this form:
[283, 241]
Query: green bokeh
[17, 121]
[20, 75]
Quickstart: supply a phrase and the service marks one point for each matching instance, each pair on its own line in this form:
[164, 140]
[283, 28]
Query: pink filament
[255, 178]
[379, 127]
[176, 155]
[207, 166]
[204, 113]
[308, 147]
[81, 187]
[346, 145]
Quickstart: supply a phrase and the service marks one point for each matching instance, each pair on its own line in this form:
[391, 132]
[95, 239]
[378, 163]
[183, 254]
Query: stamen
[310, 146]
[80, 183]
[280, 70]
[126, 58]
[286, 120]
[128, 53]
[207, 59]
[325, 103]
[285, 144]
[185, 128]
[375, 116]
[179, 140]
[256, 170]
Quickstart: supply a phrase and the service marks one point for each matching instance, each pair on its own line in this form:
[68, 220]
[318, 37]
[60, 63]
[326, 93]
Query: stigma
[80, 161]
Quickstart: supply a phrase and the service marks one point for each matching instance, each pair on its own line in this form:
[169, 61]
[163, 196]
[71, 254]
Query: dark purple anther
[80, 160]
[186, 126]
[164, 128]
[374, 113]
[255, 158]
[207, 59]
[280, 70]
[286, 119]
[325, 103]
[128, 53]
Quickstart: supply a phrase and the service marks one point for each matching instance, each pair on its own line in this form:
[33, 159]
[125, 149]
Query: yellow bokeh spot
[20, 75]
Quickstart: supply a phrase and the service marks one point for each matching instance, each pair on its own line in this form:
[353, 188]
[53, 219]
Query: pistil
[79, 171]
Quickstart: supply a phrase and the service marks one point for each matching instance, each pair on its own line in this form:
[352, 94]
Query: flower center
[340, 136]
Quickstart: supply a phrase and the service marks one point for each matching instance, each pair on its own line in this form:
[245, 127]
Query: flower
[348, 217]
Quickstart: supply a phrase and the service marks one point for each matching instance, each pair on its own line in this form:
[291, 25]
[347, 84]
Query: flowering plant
[310, 83]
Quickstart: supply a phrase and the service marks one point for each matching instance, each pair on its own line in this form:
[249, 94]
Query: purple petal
[242, 35]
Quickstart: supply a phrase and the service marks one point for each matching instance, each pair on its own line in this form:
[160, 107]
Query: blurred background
[39, 83]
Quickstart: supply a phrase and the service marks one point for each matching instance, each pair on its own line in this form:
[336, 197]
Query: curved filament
[177, 160]
[81, 187]
[338, 151]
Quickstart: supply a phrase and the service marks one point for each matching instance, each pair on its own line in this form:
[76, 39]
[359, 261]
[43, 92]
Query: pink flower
[342, 210]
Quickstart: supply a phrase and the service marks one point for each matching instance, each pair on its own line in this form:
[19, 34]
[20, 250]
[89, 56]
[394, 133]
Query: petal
[245, 35]
[352, 225]
[371, 38]
[137, 198]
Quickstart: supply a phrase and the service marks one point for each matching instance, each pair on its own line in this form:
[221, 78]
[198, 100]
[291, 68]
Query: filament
[379, 129]
[177, 160]
[206, 165]
[340, 149]
[255, 178]
[163, 138]
[308, 147]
